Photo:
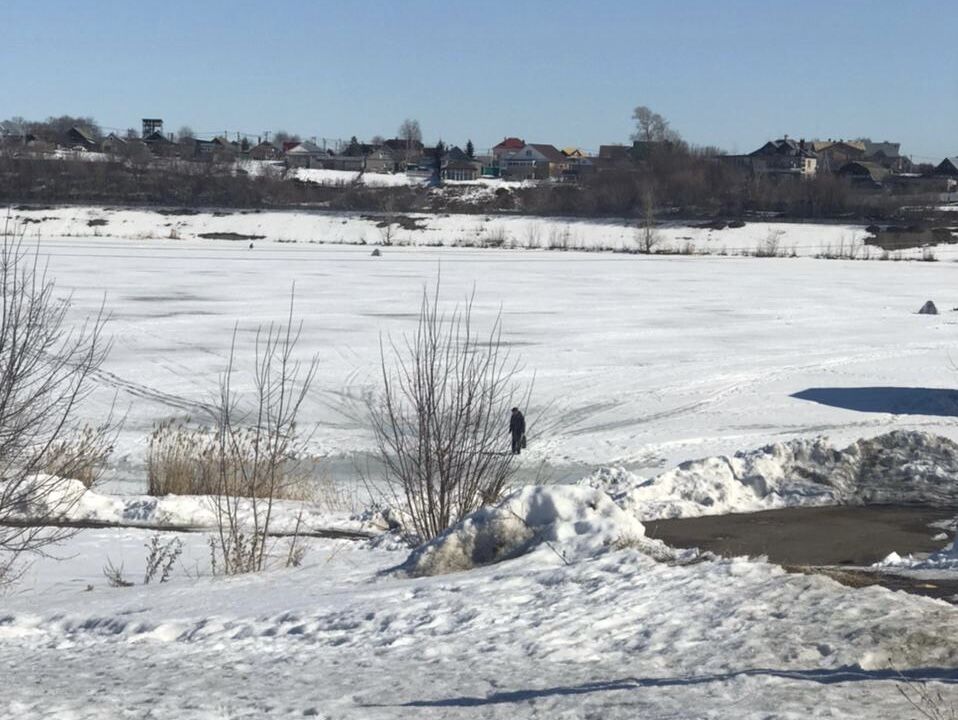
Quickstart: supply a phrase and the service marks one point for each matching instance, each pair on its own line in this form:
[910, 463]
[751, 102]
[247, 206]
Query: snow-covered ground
[643, 362]
[617, 636]
[369, 179]
[640, 363]
[346, 177]
[456, 230]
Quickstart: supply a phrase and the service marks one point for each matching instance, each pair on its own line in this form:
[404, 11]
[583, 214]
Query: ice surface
[640, 362]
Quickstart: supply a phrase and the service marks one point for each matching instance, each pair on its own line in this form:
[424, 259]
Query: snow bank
[897, 467]
[449, 229]
[944, 559]
[346, 177]
[42, 495]
[570, 521]
[69, 501]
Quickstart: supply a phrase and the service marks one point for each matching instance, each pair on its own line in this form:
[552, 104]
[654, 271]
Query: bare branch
[440, 422]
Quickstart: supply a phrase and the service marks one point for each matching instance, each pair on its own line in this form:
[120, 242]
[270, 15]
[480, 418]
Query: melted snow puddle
[837, 541]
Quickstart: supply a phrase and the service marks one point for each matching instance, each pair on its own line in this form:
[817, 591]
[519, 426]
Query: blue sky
[731, 73]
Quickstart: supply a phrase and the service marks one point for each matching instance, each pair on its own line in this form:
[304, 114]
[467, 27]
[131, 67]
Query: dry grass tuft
[81, 456]
[183, 460]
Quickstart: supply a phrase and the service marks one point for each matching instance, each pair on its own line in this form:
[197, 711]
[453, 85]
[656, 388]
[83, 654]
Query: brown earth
[815, 540]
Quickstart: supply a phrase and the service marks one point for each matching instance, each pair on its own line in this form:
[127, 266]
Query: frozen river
[640, 361]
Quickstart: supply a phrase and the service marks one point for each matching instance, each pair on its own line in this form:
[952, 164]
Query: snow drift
[69, 501]
[894, 468]
[944, 559]
[572, 522]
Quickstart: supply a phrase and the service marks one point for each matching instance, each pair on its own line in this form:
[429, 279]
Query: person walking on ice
[517, 428]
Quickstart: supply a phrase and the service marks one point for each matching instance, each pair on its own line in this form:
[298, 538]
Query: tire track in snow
[743, 382]
[146, 392]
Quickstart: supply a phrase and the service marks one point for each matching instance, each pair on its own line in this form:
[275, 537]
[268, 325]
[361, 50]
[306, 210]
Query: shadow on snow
[821, 676]
[894, 400]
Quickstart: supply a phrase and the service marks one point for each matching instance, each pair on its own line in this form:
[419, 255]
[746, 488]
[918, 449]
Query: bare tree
[440, 421]
[185, 133]
[410, 131]
[647, 236]
[652, 127]
[47, 368]
[261, 454]
[411, 135]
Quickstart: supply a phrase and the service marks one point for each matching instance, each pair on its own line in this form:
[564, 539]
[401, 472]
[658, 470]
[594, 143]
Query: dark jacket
[517, 424]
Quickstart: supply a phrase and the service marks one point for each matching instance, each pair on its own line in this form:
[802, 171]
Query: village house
[383, 159]
[578, 163]
[784, 157]
[306, 154]
[202, 149]
[864, 174]
[612, 157]
[264, 151]
[12, 133]
[132, 148]
[458, 166]
[77, 138]
[507, 147]
[113, 144]
[224, 150]
[161, 145]
[533, 161]
[834, 154]
[358, 157]
[886, 154]
[947, 167]
[403, 152]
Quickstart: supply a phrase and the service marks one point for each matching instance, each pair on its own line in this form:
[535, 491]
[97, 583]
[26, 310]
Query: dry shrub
[559, 238]
[181, 460]
[81, 456]
[333, 496]
[439, 420]
[184, 460]
[496, 237]
[261, 452]
[48, 366]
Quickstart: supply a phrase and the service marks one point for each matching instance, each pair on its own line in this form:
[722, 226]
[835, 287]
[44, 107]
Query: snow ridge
[897, 467]
[571, 522]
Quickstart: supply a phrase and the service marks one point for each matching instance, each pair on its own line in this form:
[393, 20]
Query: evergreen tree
[470, 149]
